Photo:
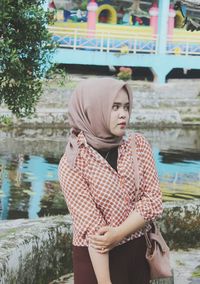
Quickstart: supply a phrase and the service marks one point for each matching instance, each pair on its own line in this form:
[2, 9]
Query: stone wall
[173, 104]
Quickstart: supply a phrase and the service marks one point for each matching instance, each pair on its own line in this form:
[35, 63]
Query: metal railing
[122, 42]
[181, 45]
[104, 41]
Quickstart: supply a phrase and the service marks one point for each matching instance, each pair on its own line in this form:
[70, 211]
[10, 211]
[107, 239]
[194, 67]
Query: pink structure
[91, 18]
[172, 15]
[153, 12]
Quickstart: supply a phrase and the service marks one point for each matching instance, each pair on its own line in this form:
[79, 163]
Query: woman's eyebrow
[117, 103]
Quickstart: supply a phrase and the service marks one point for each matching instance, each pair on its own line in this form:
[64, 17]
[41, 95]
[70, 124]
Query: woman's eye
[115, 107]
[126, 108]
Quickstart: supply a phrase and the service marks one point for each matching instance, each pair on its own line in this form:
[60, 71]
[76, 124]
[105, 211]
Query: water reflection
[29, 185]
[179, 174]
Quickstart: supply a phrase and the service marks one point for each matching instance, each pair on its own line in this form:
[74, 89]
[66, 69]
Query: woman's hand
[105, 239]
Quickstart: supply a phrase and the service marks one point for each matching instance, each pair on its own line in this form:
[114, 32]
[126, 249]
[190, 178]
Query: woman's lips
[122, 125]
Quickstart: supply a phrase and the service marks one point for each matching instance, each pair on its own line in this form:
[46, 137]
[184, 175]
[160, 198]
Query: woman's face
[119, 114]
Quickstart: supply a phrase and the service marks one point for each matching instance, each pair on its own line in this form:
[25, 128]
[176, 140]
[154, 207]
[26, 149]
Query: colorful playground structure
[107, 35]
[104, 28]
[103, 11]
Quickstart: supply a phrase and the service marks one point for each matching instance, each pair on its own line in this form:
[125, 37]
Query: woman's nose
[122, 113]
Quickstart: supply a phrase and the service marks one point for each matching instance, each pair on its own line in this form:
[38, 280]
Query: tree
[26, 47]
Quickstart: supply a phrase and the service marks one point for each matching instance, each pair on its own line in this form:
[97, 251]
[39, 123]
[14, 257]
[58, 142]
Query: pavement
[184, 264]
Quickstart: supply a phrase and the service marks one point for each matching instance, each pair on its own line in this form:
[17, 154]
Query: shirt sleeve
[87, 219]
[150, 203]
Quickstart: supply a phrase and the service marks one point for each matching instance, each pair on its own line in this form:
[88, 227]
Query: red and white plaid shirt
[98, 196]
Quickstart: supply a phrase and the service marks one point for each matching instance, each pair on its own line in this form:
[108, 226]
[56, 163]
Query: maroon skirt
[128, 264]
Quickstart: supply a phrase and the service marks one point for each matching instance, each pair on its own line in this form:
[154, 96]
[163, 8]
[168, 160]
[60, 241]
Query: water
[29, 159]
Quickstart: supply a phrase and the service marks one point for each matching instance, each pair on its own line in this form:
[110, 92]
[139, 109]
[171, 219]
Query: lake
[29, 160]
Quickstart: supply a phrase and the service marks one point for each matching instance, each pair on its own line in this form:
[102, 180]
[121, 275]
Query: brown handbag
[157, 253]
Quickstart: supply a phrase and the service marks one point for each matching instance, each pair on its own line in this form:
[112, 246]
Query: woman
[96, 174]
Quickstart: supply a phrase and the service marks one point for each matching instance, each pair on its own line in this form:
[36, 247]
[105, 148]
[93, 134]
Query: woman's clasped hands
[105, 239]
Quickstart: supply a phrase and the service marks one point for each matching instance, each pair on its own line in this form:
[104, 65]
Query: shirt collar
[81, 140]
[124, 146]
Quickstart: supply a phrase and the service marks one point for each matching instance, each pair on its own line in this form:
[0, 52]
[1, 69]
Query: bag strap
[137, 185]
[155, 234]
[160, 241]
[135, 167]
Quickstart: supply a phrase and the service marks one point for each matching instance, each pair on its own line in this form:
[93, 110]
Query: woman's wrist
[120, 233]
[133, 223]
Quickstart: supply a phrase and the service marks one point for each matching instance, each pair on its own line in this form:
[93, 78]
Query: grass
[180, 191]
[196, 272]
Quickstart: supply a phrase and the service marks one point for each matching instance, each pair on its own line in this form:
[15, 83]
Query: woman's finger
[98, 239]
[103, 250]
[103, 230]
[97, 245]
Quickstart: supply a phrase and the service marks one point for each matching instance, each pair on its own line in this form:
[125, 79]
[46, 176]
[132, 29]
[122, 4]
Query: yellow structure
[179, 20]
[112, 14]
[59, 16]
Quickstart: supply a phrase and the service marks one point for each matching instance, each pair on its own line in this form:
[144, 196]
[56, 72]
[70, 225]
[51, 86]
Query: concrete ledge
[35, 251]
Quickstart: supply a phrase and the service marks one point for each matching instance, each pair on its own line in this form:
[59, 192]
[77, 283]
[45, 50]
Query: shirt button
[122, 182]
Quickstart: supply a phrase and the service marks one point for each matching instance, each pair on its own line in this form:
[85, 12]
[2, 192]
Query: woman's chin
[120, 132]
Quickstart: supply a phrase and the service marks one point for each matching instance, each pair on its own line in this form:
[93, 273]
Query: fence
[122, 42]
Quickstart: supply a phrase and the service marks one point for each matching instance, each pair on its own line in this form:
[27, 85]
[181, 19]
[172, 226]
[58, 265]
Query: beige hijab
[89, 111]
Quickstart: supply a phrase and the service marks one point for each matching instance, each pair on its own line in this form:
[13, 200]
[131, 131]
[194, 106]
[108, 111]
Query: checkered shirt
[98, 196]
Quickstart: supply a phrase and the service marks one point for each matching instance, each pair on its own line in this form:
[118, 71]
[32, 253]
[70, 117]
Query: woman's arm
[133, 223]
[87, 219]
[109, 237]
[100, 264]
[149, 205]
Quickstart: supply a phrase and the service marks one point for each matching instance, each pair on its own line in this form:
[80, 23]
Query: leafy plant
[6, 120]
[26, 47]
[125, 73]
[59, 75]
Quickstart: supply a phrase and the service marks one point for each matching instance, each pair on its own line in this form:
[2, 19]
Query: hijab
[89, 111]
